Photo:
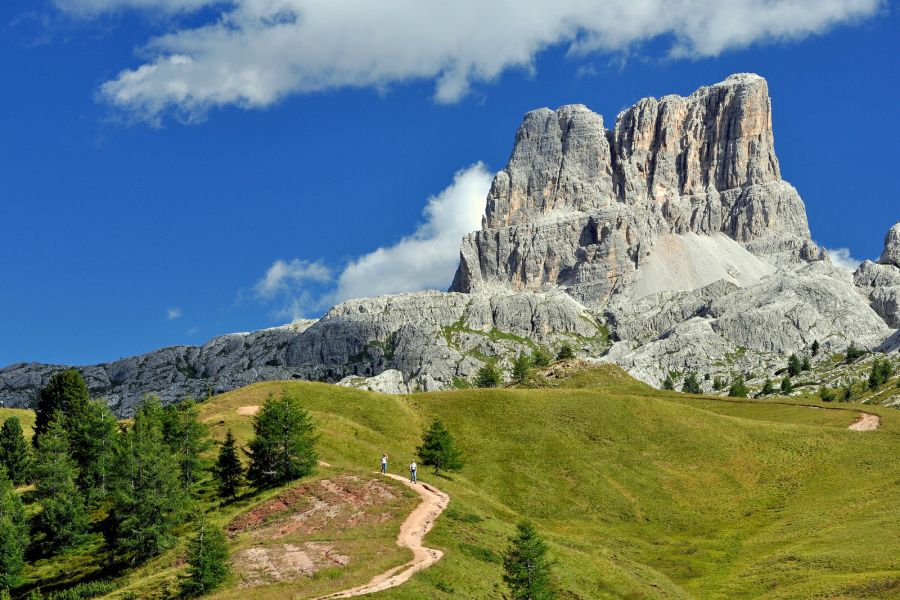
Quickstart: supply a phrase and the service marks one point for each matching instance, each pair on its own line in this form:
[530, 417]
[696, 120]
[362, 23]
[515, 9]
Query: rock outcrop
[581, 207]
[881, 281]
[671, 235]
[433, 339]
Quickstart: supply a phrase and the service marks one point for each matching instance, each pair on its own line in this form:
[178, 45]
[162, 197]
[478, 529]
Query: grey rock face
[891, 253]
[433, 339]
[881, 281]
[581, 207]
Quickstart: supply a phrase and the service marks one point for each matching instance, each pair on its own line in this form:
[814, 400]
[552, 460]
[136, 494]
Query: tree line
[143, 478]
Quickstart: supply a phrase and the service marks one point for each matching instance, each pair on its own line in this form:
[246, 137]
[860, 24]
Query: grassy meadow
[640, 493]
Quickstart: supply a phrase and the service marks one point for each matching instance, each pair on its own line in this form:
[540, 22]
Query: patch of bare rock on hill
[669, 242]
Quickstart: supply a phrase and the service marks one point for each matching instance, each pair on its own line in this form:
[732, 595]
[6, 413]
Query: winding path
[412, 532]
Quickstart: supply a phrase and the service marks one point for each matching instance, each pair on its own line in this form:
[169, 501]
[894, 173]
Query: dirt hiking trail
[412, 532]
[866, 422]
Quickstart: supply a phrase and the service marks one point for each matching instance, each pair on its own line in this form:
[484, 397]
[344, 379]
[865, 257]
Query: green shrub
[826, 394]
[691, 384]
[488, 376]
[738, 388]
[540, 357]
[565, 352]
[853, 352]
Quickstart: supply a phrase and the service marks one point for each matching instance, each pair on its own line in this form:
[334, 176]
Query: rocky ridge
[669, 243]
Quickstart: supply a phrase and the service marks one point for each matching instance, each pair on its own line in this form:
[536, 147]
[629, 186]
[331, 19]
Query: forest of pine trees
[135, 482]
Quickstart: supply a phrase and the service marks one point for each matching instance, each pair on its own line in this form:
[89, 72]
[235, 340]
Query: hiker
[384, 464]
[412, 471]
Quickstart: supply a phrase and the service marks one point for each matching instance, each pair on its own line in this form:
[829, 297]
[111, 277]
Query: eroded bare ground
[866, 422]
[412, 533]
[336, 504]
[263, 565]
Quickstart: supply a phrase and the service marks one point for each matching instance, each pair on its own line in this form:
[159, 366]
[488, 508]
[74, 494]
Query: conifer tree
[520, 367]
[229, 472]
[13, 534]
[565, 352]
[527, 571]
[767, 388]
[815, 348]
[438, 449]
[691, 384]
[207, 559]
[540, 357]
[91, 430]
[147, 498]
[63, 519]
[187, 438]
[66, 393]
[794, 366]
[787, 386]
[668, 382]
[738, 388]
[853, 352]
[15, 455]
[805, 365]
[283, 446]
[488, 376]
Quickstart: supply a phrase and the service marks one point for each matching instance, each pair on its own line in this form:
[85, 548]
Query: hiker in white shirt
[412, 471]
[384, 464]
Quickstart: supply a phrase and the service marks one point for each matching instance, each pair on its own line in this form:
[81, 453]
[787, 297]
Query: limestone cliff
[581, 207]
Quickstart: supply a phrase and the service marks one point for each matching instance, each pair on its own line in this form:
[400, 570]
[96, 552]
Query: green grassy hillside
[641, 493]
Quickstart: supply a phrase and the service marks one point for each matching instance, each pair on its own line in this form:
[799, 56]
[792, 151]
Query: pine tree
[805, 365]
[488, 376]
[283, 447]
[794, 366]
[767, 388]
[91, 430]
[520, 367]
[66, 393]
[853, 352]
[815, 348]
[13, 534]
[738, 388]
[207, 559]
[565, 352]
[438, 450]
[718, 383]
[691, 384]
[540, 357]
[63, 519]
[881, 373]
[187, 438]
[147, 498]
[668, 382]
[527, 571]
[15, 455]
[787, 386]
[229, 472]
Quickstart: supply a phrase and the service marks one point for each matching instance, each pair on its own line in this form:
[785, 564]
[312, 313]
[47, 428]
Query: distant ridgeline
[669, 244]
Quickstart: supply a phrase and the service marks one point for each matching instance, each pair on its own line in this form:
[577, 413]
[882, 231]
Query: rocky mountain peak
[581, 207]
[891, 253]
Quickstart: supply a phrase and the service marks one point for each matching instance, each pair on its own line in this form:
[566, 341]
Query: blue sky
[152, 208]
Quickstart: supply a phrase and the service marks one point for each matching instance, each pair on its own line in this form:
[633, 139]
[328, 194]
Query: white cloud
[255, 52]
[282, 276]
[427, 259]
[840, 257]
[173, 313]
